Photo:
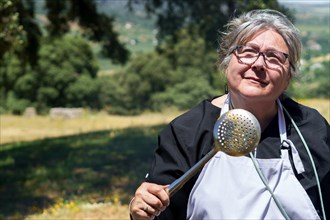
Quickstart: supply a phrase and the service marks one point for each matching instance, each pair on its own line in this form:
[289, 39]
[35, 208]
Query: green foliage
[11, 31]
[109, 92]
[16, 84]
[203, 17]
[11, 70]
[19, 31]
[96, 26]
[183, 95]
[177, 76]
[64, 76]
[25, 85]
[19, 27]
[61, 65]
[313, 81]
[83, 93]
[15, 105]
[145, 75]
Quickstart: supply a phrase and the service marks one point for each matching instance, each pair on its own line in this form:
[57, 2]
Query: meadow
[82, 168]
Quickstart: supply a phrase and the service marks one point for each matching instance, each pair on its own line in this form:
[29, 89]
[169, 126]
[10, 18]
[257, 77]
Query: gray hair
[241, 29]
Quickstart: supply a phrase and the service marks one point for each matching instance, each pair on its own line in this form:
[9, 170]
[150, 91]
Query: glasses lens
[246, 54]
[275, 58]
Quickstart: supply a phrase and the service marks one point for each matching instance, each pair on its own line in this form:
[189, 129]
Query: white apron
[231, 188]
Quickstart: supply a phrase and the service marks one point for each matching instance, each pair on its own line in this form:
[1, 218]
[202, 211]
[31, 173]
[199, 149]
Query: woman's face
[256, 81]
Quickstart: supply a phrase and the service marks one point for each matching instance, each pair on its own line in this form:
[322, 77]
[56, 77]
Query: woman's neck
[263, 111]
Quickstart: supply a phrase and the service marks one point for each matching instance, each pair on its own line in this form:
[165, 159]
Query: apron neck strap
[281, 122]
[226, 105]
[285, 142]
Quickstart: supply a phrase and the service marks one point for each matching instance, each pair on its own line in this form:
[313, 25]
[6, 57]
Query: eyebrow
[256, 46]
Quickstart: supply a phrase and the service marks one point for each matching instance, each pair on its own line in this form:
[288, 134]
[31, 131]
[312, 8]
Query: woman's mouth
[256, 80]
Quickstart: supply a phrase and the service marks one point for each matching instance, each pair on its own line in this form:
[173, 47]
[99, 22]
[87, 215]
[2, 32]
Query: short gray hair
[239, 31]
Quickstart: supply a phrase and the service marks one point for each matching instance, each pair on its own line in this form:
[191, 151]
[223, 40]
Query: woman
[260, 54]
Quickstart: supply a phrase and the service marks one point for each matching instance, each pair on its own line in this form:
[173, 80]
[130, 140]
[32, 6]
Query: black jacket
[189, 137]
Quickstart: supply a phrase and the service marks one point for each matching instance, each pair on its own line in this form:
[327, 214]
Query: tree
[62, 64]
[180, 76]
[64, 76]
[205, 17]
[11, 32]
[96, 26]
[145, 75]
[19, 25]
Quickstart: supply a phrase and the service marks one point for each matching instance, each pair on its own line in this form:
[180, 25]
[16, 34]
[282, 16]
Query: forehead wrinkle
[263, 42]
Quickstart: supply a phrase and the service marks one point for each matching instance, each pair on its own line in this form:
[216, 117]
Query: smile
[255, 80]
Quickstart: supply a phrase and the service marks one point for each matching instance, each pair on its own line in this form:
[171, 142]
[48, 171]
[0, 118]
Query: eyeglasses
[249, 55]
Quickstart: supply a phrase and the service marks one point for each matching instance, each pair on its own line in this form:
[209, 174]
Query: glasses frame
[235, 51]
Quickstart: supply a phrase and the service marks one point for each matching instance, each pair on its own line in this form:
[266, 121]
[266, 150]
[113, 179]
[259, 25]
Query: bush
[83, 93]
[64, 77]
[16, 106]
[183, 95]
[178, 76]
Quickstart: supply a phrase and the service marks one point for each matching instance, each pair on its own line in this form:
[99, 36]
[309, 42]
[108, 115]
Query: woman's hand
[149, 201]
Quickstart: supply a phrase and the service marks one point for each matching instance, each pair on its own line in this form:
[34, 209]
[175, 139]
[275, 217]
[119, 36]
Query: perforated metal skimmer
[236, 132]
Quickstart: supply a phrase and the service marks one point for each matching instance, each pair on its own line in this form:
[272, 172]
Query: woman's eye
[272, 54]
[249, 52]
[275, 55]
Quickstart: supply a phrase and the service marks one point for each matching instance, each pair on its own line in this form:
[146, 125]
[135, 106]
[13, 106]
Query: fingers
[151, 212]
[157, 196]
[142, 210]
[149, 201]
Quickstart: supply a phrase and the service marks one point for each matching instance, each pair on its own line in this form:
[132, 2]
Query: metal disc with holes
[237, 132]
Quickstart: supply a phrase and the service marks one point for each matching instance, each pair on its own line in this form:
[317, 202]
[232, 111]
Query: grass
[102, 167]
[84, 168]
[313, 28]
[94, 211]
[17, 128]
[322, 105]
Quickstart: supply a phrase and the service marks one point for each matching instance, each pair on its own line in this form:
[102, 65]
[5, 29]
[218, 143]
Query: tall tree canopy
[18, 24]
[205, 16]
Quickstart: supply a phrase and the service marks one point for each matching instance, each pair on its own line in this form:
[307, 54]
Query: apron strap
[298, 165]
[265, 182]
[286, 143]
[226, 106]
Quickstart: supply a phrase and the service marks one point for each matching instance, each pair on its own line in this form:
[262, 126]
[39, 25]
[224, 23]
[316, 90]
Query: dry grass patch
[20, 128]
[322, 105]
[72, 211]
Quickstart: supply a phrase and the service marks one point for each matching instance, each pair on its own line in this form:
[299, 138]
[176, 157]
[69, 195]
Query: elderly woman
[288, 174]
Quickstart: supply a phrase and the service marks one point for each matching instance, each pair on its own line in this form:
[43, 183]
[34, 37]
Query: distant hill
[137, 30]
[310, 15]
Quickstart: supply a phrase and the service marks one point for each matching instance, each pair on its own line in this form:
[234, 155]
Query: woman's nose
[259, 64]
